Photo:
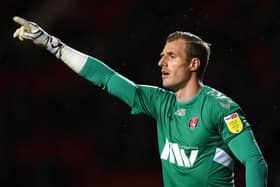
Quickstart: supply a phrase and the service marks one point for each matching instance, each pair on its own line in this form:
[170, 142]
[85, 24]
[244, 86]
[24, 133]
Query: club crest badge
[193, 123]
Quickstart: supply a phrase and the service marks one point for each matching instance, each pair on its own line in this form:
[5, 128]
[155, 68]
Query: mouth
[164, 73]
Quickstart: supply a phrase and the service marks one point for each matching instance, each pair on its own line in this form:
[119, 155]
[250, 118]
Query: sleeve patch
[234, 123]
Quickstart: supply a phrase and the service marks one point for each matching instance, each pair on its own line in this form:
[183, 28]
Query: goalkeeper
[200, 130]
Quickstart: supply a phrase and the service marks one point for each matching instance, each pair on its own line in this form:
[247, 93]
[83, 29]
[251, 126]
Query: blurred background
[58, 130]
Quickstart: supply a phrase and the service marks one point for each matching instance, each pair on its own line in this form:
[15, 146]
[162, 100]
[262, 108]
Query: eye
[172, 56]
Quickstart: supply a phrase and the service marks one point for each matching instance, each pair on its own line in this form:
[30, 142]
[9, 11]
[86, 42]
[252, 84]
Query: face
[174, 66]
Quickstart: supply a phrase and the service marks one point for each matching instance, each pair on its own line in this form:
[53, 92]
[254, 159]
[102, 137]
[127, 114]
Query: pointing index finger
[20, 21]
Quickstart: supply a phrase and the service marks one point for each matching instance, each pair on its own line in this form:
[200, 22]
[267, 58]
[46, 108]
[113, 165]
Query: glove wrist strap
[54, 46]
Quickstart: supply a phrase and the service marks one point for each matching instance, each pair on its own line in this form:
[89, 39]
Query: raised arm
[88, 67]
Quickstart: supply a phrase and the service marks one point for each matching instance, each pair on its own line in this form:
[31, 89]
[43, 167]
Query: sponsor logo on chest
[176, 155]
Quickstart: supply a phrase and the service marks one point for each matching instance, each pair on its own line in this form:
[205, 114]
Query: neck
[189, 90]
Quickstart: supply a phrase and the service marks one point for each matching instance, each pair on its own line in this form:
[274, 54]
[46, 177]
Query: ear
[195, 64]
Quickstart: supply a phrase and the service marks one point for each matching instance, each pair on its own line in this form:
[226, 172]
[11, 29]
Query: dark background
[58, 130]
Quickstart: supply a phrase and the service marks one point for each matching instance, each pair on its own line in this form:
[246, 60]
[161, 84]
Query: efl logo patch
[234, 123]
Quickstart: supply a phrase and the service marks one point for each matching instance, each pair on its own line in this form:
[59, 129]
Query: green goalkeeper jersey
[197, 138]
[193, 135]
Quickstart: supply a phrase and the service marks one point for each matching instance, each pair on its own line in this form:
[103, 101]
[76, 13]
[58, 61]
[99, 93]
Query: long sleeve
[247, 151]
[107, 79]
[99, 74]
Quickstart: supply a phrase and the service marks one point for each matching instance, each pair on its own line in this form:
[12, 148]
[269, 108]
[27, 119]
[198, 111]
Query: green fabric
[251, 157]
[178, 142]
[196, 139]
[104, 77]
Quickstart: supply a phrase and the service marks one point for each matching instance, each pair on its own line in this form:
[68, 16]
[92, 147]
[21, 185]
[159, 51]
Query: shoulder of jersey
[219, 99]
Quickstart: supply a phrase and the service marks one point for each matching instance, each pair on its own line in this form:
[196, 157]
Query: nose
[162, 62]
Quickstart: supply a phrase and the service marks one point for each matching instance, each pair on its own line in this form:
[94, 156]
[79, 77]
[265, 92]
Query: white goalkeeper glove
[31, 31]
